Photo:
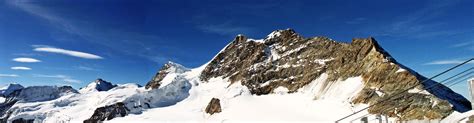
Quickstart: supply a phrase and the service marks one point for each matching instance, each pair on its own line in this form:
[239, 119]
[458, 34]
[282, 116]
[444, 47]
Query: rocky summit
[286, 59]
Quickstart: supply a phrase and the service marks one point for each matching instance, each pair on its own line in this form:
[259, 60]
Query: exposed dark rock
[156, 80]
[4, 110]
[167, 68]
[9, 89]
[21, 120]
[287, 59]
[214, 106]
[108, 113]
[102, 85]
[67, 89]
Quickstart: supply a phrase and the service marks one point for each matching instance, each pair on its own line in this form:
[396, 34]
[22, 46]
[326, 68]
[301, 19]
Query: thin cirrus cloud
[64, 78]
[8, 75]
[49, 49]
[26, 60]
[20, 68]
[446, 62]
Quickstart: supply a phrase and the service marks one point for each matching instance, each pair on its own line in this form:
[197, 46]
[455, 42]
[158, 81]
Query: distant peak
[10, 88]
[284, 33]
[240, 38]
[98, 85]
[98, 80]
[174, 65]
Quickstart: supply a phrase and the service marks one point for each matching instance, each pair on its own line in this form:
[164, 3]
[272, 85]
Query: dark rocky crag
[214, 106]
[155, 82]
[287, 59]
[102, 85]
[108, 113]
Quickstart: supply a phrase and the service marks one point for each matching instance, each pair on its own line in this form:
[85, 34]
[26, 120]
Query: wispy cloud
[20, 68]
[8, 75]
[64, 78]
[418, 24]
[469, 45]
[86, 68]
[26, 54]
[43, 48]
[227, 28]
[356, 20]
[125, 42]
[29, 7]
[462, 44]
[25, 59]
[446, 62]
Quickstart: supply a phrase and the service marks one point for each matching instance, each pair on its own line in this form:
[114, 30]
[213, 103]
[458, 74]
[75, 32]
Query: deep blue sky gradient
[136, 37]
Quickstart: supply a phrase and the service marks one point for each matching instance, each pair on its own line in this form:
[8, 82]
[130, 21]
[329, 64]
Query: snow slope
[72, 107]
[238, 105]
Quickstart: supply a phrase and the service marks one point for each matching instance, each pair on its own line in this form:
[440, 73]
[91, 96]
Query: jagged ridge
[287, 59]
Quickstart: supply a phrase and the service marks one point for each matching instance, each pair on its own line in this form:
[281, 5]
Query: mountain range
[283, 77]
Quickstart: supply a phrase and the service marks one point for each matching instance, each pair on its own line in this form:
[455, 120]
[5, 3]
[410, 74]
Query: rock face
[21, 120]
[98, 85]
[214, 106]
[168, 68]
[108, 113]
[43, 93]
[102, 85]
[288, 60]
[9, 89]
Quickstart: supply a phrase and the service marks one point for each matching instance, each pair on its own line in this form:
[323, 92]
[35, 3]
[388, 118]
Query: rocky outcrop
[108, 113]
[67, 89]
[21, 120]
[9, 89]
[288, 60]
[98, 85]
[214, 106]
[102, 85]
[169, 67]
[43, 93]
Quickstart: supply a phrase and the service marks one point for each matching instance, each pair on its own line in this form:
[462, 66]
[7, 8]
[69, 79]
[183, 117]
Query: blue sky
[75, 42]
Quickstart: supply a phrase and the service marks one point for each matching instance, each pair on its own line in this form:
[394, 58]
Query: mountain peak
[277, 33]
[10, 88]
[99, 80]
[288, 60]
[98, 85]
[168, 68]
[368, 45]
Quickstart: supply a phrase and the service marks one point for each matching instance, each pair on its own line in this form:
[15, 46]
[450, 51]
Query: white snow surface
[184, 99]
[457, 117]
[400, 70]
[72, 107]
[273, 34]
[238, 105]
[256, 40]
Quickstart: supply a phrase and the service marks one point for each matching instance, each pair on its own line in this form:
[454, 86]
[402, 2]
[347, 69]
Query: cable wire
[437, 75]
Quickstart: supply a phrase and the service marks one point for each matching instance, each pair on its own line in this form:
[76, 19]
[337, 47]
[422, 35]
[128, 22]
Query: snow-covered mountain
[283, 77]
[9, 89]
[97, 85]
